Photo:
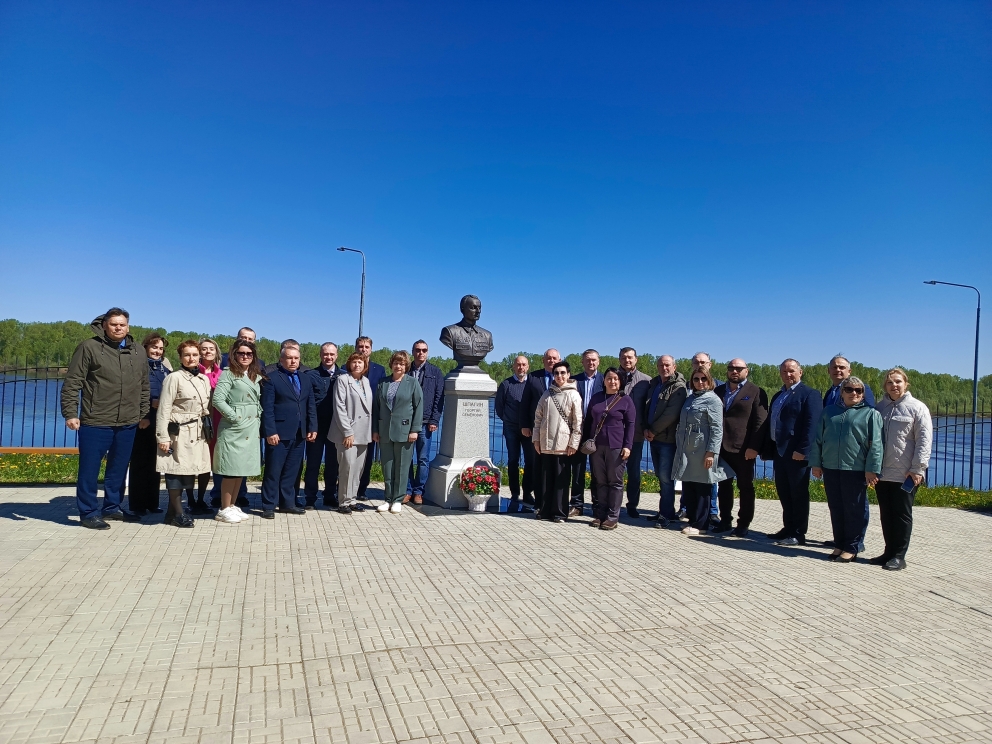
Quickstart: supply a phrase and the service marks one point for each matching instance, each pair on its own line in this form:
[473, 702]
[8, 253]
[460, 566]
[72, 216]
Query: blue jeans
[714, 501]
[663, 457]
[515, 443]
[421, 450]
[94, 442]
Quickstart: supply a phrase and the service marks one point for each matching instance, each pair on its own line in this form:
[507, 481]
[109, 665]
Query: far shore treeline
[43, 344]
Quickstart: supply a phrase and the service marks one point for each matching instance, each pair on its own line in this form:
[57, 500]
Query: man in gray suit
[635, 385]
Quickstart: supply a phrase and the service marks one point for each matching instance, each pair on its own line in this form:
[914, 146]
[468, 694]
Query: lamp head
[930, 282]
[342, 248]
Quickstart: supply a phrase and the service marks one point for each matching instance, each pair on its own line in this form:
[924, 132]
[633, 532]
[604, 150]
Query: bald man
[745, 410]
[534, 388]
[509, 395]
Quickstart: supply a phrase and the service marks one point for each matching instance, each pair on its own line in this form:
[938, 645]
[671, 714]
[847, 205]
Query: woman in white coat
[181, 433]
[557, 431]
[351, 430]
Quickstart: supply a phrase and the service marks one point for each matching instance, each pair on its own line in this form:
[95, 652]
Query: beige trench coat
[551, 432]
[185, 400]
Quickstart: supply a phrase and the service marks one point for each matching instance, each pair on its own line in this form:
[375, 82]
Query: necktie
[295, 379]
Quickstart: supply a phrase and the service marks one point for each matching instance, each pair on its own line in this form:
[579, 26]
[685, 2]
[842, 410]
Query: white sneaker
[691, 531]
[242, 514]
[228, 516]
[382, 507]
[396, 508]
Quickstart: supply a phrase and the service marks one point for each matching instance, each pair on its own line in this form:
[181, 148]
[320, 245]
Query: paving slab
[438, 626]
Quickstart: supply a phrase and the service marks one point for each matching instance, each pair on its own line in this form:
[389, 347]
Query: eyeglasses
[244, 354]
[560, 373]
[420, 351]
[735, 369]
[700, 379]
[856, 391]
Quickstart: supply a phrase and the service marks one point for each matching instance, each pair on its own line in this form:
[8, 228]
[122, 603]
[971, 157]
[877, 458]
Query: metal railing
[30, 416]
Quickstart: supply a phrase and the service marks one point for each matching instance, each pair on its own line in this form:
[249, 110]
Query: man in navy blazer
[792, 420]
[322, 449]
[839, 370]
[375, 373]
[431, 380]
[588, 382]
[289, 420]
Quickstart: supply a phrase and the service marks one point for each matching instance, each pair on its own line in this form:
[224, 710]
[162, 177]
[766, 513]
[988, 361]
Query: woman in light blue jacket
[697, 448]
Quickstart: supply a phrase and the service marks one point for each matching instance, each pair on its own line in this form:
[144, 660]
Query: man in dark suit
[322, 449]
[509, 398]
[431, 380]
[534, 388]
[839, 370]
[374, 372]
[289, 419]
[588, 383]
[792, 420]
[745, 410]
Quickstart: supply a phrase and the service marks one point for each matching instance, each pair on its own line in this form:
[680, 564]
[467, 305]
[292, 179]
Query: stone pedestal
[464, 435]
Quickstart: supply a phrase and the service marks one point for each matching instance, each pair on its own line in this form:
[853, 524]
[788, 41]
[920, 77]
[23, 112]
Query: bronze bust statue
[467, 341]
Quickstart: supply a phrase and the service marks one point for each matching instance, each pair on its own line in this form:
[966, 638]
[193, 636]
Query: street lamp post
[361, 311]
[974, 382]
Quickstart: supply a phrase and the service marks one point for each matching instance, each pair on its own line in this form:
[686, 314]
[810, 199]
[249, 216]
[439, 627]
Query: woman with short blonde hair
[907, 433]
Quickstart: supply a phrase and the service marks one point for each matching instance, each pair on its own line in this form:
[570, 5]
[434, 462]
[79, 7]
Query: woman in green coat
[236, 399]
[397, 416]
[847, 454]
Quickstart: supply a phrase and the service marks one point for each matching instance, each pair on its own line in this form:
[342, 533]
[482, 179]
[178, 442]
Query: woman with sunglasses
[236, 398]
[556, 435]
[697, 444]
[609, 422]
[847, 454]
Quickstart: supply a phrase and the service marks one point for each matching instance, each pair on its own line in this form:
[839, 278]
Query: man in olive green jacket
[111, 372]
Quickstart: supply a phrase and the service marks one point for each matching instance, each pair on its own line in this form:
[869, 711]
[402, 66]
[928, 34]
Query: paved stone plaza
[450, 627]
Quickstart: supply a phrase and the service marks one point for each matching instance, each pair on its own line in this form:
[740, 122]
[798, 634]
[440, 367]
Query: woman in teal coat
[397, 416]
[847, 454]
[236, 399]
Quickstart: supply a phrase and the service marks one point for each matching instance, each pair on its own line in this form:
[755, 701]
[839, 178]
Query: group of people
[210, 415]
[708, 434]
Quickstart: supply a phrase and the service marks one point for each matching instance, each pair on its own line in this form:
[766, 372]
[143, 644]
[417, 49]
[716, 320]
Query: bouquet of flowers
[479, 481]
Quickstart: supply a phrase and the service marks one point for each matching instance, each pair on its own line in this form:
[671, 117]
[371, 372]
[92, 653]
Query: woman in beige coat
[351, 430]
[183, 453]
[557, 431]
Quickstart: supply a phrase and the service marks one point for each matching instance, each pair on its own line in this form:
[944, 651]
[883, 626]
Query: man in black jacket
[792, 418]
[535, 387]
[322, 448]
[431, 380]
[509, 395]
[745, 410]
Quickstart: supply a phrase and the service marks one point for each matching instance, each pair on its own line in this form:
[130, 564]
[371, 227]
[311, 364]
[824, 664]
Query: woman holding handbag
[557, 430]
[182, 428]
[607, 437]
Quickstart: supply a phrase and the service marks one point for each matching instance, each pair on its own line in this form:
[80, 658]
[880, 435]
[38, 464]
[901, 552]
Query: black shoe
[242, 501]
[215, 502]
[291, 510]
[344, 510]
[558, 520]
[681, 515]
[200, 507]
[527, 509]
[268, 514]
[361, 497]
[829, 544]
[139, 512]
[661, 522]
[95, 523]
[878, 560]
[121, 516]
[719, 527]
[182, 520]
[633, 513]
[739, 531]
[331, 504]
[780, 535]
[895, 564]
[156, 510]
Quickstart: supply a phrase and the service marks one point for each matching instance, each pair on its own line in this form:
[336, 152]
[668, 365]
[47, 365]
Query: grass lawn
[61, 469]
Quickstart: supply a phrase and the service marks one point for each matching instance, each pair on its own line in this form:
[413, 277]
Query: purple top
[618, 429]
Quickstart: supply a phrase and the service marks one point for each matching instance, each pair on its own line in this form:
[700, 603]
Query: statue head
[471, 307]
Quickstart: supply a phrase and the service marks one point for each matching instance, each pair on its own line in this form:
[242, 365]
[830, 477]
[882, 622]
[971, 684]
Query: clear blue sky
[763, 180]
